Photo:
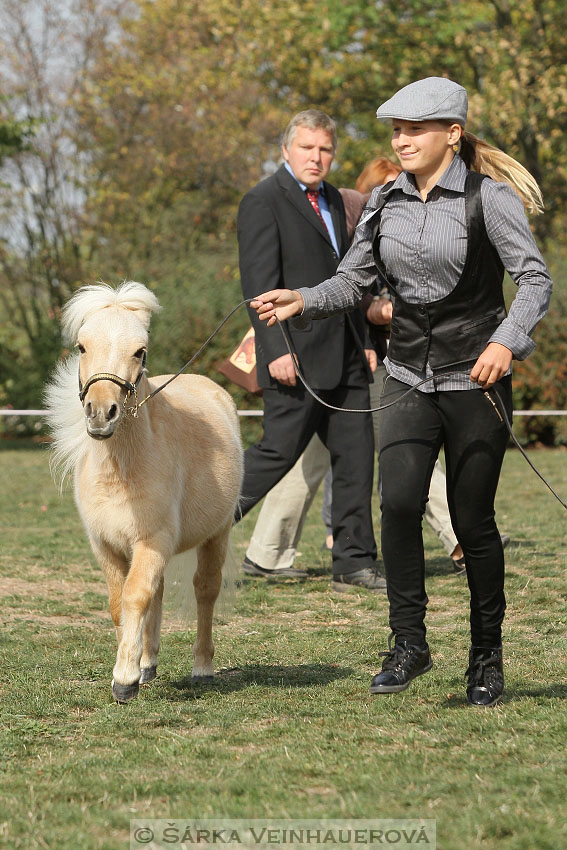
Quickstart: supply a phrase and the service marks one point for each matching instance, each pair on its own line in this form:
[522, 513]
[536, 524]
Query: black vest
[456, 328]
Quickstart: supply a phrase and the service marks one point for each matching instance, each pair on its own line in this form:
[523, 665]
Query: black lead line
[499, 409]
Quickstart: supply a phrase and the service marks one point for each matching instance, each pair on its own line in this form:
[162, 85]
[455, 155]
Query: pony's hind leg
[207, 583]
[142, 584]
[152, 625]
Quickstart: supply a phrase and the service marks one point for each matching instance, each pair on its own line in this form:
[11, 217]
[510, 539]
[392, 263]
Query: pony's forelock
[89, 299]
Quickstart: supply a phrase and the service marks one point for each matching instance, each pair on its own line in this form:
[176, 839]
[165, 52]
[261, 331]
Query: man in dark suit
[291, 233]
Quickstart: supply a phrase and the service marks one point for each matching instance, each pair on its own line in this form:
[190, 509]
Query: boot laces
[398, 657]
[484, 671]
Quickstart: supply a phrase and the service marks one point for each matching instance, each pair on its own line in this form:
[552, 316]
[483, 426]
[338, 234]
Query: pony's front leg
[115, 569]
[152, 627]
[140, 588]
[207, 583]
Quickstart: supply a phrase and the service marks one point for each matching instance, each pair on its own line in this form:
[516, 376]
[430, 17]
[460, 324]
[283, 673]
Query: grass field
[289, 729]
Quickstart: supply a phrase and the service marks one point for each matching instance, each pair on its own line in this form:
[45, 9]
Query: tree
[510, 54]
[153, 117]
[43, 244]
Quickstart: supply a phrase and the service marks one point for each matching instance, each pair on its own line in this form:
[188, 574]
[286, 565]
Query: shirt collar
[453, 179]
[302, 186]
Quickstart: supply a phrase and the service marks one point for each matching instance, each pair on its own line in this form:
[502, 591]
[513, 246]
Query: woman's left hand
[492, 364]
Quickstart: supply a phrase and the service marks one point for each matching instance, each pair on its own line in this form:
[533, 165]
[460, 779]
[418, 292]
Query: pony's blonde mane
[90, 299]
[65, 419]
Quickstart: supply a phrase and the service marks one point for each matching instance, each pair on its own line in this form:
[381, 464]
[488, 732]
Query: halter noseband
[128, 386]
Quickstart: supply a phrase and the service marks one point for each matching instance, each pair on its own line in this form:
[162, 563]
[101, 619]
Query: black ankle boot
[402, 663]
[485, 683]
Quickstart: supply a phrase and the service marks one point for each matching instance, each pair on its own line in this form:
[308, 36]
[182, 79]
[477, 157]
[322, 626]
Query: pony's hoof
[124, 693]
[203, 680]
[148, 674]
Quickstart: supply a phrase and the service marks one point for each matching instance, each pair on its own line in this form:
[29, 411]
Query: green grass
[289, 728]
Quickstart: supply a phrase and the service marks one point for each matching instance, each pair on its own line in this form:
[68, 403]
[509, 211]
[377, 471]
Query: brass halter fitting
[131, 411]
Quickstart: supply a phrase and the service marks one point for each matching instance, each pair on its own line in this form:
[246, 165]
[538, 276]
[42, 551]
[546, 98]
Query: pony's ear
[135, 296]
[145, 317]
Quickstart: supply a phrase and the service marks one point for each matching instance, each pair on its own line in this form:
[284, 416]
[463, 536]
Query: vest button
[426, 332]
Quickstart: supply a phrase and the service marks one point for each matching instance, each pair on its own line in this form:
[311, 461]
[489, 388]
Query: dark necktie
[313, 198]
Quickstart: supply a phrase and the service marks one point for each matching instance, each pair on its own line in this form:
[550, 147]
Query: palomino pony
[151, 481]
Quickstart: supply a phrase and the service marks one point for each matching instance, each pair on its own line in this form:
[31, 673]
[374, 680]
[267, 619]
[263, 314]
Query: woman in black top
[440, 237]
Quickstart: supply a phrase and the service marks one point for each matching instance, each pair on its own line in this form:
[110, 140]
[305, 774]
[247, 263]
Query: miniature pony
[151, 479]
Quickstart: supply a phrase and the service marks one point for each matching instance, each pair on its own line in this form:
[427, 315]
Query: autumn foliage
[153, 117]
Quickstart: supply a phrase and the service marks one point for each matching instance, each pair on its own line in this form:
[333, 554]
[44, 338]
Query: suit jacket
[354, 204]
[283, 244]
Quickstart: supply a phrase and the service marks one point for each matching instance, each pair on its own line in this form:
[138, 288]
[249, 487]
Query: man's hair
[313, 120]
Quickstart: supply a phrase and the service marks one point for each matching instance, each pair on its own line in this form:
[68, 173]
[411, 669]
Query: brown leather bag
[240, 366]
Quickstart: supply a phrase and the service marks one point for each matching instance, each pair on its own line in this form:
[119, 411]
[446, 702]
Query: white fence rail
[9, 412]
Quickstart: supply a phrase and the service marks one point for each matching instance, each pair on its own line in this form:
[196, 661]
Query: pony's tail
[179, 597]
[480, 156]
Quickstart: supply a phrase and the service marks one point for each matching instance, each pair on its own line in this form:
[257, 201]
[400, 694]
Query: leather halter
[128, 386]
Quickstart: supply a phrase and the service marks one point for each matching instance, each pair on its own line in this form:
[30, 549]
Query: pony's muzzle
[103, 416]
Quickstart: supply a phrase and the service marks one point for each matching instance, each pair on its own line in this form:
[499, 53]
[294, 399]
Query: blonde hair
[479, 156]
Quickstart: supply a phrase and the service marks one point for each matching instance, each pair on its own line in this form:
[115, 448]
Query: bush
[540, 382]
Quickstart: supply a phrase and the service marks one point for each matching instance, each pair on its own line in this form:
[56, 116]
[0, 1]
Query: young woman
[440, 237]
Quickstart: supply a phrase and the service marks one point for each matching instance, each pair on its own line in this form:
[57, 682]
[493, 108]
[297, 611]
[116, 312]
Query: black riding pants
[474, 439]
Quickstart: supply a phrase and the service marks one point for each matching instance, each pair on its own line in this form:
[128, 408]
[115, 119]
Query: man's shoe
[255, 570]
[459, 563]
[370, 578]
[403, 662]
[485, 683]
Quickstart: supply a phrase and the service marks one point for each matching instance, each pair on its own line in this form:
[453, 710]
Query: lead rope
[503, 416]
[499, 409]
[204, 345]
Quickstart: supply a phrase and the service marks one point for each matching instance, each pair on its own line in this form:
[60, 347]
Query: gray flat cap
[432, 99]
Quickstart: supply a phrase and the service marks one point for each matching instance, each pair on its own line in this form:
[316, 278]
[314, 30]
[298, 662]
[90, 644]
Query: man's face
[310, 155]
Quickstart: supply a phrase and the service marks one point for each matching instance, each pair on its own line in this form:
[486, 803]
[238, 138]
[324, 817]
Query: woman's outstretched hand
[277, 304]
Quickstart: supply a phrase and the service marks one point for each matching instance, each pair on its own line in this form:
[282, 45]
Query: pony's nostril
[112, 411]
[89, 409]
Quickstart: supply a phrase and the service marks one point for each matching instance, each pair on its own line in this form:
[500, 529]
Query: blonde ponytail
[479, 156]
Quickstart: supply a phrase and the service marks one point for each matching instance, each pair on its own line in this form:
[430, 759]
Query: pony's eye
[140, 353]
[81, 347]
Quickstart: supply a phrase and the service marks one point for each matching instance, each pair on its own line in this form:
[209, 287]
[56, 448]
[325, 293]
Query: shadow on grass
[441, 566]
[512, 694]
[263, 675]
[438, 567]
[552, 691]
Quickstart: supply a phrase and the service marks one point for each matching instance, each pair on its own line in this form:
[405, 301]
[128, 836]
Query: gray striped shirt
[423, 247]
